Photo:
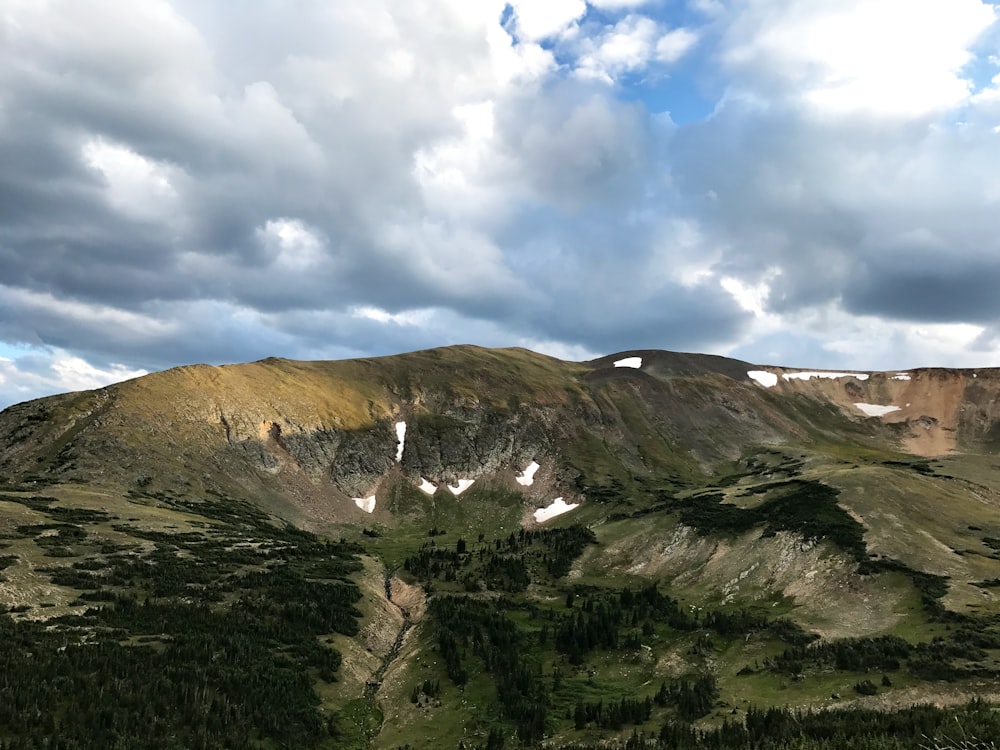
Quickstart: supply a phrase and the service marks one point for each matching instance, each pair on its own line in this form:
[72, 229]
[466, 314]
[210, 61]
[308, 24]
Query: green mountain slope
[259, 535]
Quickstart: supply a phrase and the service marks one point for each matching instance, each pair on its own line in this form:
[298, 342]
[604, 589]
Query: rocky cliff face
[933, 411]
[441, 447]
[328, 431]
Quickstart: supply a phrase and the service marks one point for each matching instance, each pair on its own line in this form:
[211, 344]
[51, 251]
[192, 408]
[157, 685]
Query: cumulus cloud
[184, 183]
[576, 147]
[540, 20]
[890, 58]
[674, 44]
[136, 186]
[628, 47]
[45, 372]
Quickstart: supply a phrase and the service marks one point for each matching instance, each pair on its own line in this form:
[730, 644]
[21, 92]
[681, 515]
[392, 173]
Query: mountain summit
[285, 427]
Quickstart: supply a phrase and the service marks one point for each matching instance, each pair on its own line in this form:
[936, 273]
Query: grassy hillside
[734, 548]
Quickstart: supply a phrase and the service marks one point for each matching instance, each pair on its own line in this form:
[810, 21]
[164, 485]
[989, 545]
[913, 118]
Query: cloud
[628, 47]
[537, 21]
[848, 341]
[183, 183]
[40, 373]
[408, 318]
[884, 58]
[884, 221]
[673, 45]
[136, 186]
[293, 245]
[576, 146]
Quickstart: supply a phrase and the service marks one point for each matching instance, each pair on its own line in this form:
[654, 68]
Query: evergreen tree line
[504, 564]
[162, 661]
[806, 507]
[464, 624]
[613, 714]
[961, 653]
[605, 621]
[691, 699]
[848, 729]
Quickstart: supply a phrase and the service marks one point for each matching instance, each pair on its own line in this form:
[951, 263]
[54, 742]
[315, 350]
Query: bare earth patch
[829, 597]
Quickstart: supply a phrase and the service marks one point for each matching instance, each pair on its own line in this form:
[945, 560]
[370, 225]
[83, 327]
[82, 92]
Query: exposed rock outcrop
[324, 432]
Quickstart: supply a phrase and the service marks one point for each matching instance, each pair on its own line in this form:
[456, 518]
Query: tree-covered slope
[365, 554]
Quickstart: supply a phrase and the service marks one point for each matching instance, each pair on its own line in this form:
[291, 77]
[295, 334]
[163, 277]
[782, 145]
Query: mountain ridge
[272, 403]
[756, 508]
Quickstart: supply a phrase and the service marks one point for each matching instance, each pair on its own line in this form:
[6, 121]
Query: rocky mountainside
[806, 505]
[325, 432]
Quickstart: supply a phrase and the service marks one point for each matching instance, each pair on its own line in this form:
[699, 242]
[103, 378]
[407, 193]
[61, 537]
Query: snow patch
[367, 504]
[527, 477]
[876, 410]
[428, 488]
[401, 437]
[557, 508]
[634, 362]
[765, 378]
[808, 375]
[461, 486]
[901, 376]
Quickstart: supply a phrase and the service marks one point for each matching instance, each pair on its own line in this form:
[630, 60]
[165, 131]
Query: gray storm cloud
[184, 183]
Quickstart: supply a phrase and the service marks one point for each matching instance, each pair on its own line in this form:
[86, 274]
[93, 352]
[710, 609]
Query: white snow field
[557, 508]
[876, 410]
[900, 376]
[401, 437]
[527, 477]
[765, 378]
[635, 362]
[428, 488]
[831, 375]
[461, 486]
[367, 504]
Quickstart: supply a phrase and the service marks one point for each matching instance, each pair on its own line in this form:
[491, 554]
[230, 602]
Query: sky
[812, 183]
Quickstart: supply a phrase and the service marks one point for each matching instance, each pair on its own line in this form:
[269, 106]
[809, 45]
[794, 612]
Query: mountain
[474, 545]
